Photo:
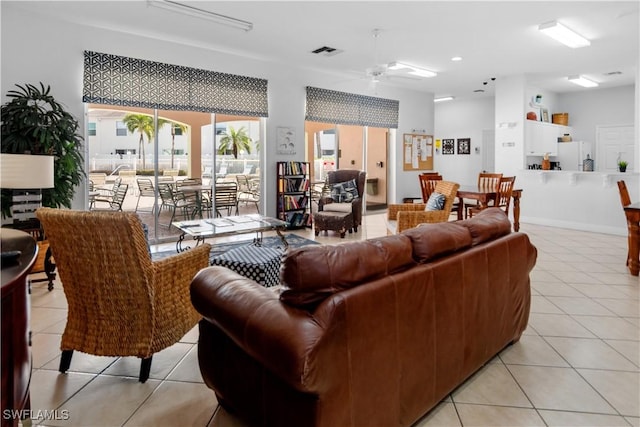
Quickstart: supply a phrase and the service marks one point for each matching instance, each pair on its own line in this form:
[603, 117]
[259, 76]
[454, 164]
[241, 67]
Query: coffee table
[200, 229]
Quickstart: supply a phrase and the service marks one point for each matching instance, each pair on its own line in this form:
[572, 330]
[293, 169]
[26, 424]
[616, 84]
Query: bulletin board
[417, 150]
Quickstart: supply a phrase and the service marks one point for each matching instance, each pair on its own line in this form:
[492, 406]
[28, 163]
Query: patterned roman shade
[118, 80]
[329, 106]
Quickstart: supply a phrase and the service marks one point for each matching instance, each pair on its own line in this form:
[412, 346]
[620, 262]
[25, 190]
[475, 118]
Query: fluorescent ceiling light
[201, 13]
[564, 35]
[412, 69]
[582, 81]
[456, 58]
[443, 98]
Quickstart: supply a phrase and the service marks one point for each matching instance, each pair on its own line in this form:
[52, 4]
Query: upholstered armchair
[340, 176]
[403, 216]
[121, 303]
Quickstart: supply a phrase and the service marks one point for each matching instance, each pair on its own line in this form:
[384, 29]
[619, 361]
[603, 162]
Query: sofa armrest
[276, 335]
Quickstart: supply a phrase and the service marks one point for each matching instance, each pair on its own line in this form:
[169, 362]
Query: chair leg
[65, 360]
[145, 368]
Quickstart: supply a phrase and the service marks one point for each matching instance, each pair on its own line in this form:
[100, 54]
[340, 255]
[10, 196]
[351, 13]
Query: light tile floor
[578, 363]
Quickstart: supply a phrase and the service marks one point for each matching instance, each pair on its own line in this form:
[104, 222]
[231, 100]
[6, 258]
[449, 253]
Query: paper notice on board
[423, 149]
[407, 153]
[414, 157]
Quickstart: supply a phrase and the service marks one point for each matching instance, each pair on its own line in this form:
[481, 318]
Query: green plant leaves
[34, 122]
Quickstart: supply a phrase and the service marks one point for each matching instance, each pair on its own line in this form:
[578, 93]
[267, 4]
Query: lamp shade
[26, 171]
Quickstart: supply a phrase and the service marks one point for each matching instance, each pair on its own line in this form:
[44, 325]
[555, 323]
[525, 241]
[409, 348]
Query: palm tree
[174, 127]
[235, 141]
[143, 124]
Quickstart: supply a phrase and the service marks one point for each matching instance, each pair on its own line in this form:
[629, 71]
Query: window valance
[119, 80]
[329, 106]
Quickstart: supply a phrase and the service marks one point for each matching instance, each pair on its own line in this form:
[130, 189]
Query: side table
[16, 336]
[44, 262]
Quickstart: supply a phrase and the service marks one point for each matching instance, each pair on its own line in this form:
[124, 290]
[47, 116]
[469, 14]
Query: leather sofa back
[312, 273]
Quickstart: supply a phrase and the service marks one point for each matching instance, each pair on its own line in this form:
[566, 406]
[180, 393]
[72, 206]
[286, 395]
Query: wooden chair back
[489, 181]
[428, 183]
[505, 192]
[625, 199]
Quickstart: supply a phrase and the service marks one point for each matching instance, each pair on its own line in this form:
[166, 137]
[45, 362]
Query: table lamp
[26, 175]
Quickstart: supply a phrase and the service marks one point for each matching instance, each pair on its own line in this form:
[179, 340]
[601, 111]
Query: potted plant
[33, 122]
[622, 165]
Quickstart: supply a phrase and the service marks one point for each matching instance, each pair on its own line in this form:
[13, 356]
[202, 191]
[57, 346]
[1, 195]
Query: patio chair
[226, 198]
[145, 189]
[176, 202]
[121, 303]
[248, 191]
[113, 203]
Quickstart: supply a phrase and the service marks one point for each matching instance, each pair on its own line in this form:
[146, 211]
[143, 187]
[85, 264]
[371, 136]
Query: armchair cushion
[337, 207]
[344, 191]
[436, 202]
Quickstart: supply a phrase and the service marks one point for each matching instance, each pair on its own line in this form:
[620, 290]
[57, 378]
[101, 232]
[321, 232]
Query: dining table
[632, 213]
[484, 196]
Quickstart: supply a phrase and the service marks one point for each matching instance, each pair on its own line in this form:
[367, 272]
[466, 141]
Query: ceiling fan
[393, 70]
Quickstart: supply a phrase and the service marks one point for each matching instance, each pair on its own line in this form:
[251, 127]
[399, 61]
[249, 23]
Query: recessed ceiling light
[564, 35]
[443, 98]
[456, 58]
[582, 81]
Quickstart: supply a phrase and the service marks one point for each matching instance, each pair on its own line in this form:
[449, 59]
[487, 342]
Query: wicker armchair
[120, 302]
[404, 216]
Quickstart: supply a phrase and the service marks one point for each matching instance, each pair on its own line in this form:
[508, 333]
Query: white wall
[463, 119]
[592, 108]
[52, 52]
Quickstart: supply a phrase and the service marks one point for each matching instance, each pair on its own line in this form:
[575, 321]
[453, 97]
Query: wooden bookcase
[294, 194]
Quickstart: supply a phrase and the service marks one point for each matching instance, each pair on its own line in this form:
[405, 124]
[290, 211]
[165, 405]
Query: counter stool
[255, 262]
[336, 221]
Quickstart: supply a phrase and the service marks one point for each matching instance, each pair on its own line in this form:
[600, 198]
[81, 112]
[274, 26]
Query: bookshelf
[294, 194]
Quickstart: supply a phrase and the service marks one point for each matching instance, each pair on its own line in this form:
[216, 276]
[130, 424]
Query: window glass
[121, 128]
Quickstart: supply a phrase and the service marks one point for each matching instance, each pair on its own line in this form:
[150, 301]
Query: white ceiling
[495, 39]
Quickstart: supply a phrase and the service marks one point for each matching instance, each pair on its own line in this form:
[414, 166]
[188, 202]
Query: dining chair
[428, 183]
[121, 303]
[625, 200]
[488, 182]
[503, 199]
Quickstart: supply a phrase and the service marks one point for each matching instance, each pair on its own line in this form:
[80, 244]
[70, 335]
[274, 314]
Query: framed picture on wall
[464, 145]
[448, 146]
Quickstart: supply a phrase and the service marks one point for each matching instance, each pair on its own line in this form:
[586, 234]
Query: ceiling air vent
[326, 51]
[613, 73]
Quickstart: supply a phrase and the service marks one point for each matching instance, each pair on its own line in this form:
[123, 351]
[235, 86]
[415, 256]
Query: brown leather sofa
[367, 333]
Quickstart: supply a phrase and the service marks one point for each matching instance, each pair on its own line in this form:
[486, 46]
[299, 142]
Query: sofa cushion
[337, 207]
[436, 202]
[488, 224]
[312, 273]
[433, 240]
